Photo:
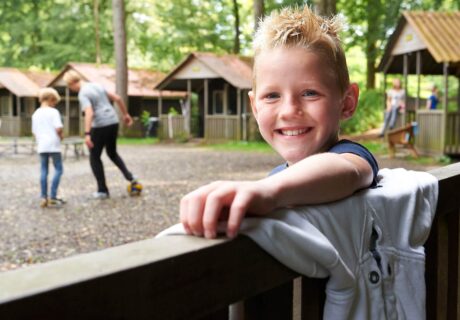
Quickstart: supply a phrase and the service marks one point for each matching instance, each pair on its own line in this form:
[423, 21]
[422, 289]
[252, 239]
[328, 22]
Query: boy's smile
[297, 102]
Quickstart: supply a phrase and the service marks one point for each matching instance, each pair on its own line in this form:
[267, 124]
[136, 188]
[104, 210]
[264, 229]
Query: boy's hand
[201, 209]
[88, 142]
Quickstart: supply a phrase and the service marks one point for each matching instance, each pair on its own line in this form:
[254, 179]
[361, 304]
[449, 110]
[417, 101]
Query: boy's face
[297, 103]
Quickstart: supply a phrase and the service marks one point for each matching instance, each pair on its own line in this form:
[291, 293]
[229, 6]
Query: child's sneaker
[43, 203]
[100, 195]
[55, 202]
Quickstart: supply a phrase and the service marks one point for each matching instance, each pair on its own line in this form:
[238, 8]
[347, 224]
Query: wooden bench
[402, 136]
[13, 146]
[76, 143]
[185, 277]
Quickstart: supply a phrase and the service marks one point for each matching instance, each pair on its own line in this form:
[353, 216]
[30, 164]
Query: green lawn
[241, 146]
[137, 141]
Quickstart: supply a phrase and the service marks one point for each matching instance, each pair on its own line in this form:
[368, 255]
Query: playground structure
[424, 43]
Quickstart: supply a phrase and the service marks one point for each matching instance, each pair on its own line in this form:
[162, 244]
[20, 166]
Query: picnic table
[75, 143]
[403, 136]
[15, 145]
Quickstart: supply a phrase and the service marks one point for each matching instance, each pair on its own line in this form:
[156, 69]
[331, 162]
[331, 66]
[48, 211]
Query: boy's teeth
[293, 132]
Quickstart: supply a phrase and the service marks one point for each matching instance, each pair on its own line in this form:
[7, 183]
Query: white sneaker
[100, 195]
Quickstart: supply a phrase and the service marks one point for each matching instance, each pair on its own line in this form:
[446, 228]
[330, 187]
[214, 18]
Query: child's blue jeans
[58, 170]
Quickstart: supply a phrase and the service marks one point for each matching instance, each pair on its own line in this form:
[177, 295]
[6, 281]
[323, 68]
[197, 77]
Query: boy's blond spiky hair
[296, 27]
[47, 94]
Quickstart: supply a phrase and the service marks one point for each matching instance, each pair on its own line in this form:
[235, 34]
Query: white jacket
[370, 245]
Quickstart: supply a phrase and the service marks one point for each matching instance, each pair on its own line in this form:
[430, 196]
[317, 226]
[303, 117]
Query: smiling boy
[301, 92]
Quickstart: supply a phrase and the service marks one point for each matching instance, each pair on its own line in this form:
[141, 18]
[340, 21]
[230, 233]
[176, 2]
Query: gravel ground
[29, 234]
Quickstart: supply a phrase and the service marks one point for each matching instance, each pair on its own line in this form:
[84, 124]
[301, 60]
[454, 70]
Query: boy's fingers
[237, 212]
[215, 203]
[183, 215]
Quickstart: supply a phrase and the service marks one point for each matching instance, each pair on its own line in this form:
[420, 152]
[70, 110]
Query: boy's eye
[310, 93]
[272, 95]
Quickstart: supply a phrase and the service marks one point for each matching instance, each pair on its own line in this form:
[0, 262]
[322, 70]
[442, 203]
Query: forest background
[46, 34]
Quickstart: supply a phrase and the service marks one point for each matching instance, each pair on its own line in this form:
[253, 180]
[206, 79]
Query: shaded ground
[29, 234]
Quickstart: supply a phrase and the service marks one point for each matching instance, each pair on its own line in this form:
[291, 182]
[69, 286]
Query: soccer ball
[134, 189]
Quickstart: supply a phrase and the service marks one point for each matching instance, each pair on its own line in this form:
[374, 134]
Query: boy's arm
[60, 133]
[317, 179]
[121, 104]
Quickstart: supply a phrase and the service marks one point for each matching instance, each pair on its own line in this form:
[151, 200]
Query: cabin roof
[140, 81]
[18, 83]
[437, 34]
[236, 70]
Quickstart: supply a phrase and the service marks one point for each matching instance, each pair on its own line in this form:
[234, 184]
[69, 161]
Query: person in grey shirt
[101, 127]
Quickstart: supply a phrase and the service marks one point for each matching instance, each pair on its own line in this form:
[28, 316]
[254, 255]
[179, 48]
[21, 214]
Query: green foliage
[242, 146]
[137, 141]
[368, 115]
[145, 118]
[48, 34]
[172, 111]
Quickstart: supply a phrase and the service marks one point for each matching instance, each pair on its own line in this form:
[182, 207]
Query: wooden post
[188, 106]
[445, 102]
[384, 91]
[245, 116]
[160, 104]
[238, 112]
[67, 113]
[225, 98]
[419, 69]
[453, 266]
[406, 72]
[206, 106]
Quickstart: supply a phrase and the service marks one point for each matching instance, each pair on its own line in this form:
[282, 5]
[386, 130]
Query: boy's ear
[253, 103]
[350, 101]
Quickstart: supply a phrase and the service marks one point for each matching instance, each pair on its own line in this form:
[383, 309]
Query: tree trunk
[370, 70]
[236, 47]
[372, 35]
[121, 60]
[325, 8]
[259, 11]
[96, 30]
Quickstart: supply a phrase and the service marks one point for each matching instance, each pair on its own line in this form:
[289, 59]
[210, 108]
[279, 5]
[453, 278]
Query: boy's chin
[293, 157]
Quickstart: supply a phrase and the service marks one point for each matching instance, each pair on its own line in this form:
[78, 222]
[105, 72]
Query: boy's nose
[291, 107]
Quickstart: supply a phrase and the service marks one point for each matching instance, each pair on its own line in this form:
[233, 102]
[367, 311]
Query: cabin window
[218, 102]
[4, 106]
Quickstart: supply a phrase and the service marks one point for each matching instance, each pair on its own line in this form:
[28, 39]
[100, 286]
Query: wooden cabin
[18, 101]
[141, 95]
[426, 43]
[221, 83]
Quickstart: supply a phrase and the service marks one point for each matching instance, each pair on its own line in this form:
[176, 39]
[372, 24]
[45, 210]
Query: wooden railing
[452, 133]
[184, 277]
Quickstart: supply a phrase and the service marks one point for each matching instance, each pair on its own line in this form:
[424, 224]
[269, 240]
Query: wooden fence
[9, 126]
[222, 127]
[171, 127]
[184, 277]
[429, 137]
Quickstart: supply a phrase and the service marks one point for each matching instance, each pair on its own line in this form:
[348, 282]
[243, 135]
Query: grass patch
[251, 146]
[137, 141]
[375, 147]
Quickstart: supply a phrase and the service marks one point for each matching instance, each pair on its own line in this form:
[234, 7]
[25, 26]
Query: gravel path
[30, 235]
